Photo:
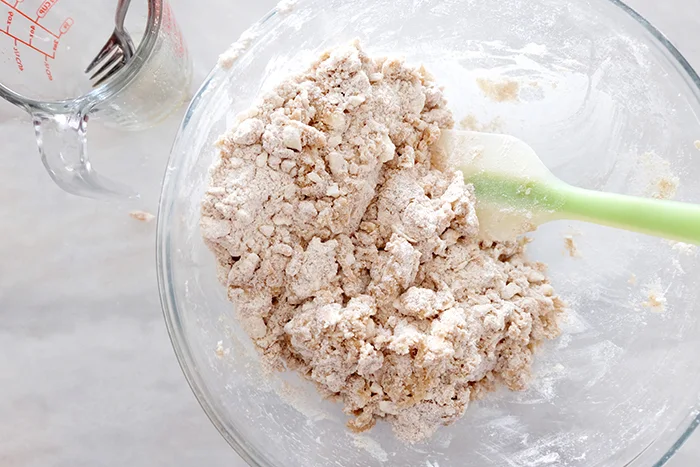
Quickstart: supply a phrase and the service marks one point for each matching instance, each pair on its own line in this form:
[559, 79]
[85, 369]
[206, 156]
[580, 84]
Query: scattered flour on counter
[350, 249]
[142, 216]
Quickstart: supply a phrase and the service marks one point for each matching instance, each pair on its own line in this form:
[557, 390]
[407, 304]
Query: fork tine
[105, 52]
[110, 73]
[116, 56]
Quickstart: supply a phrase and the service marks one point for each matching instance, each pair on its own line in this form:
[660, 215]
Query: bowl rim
[251, 455]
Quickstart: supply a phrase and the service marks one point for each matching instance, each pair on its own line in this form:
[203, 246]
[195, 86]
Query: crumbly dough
[571, 246]
[663, 183]
[500, 90]
[142, 216]
[350, 250]
[655, 298]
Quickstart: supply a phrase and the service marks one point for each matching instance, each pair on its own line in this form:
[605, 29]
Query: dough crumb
[662, 182]
[666, 187]
[655, 299]
[570, 246]
[220, 351]
[697, 145]
[501, 90]
[142, 216]
[350, 248]
[632, 280]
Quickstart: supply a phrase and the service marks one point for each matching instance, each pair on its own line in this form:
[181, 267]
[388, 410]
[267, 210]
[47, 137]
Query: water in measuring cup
[45, 46]
[162, 86]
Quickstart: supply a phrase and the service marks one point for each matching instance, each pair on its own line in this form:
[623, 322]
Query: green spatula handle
[558, 200]
[668, 219]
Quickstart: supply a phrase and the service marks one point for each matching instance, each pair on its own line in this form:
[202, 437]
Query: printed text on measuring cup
[25, 28]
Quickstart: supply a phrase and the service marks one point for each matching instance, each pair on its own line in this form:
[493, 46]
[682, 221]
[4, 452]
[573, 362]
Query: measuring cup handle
[63, 146]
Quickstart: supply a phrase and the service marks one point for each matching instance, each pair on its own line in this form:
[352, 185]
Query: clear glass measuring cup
[45, 46]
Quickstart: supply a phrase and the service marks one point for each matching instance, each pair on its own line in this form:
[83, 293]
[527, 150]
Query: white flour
[238, 48]
[286, 6]
[685, 249]
[349, 249]
[235, 50]
[372, 447]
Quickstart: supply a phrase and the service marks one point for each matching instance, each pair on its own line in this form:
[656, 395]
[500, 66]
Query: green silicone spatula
[516, 193]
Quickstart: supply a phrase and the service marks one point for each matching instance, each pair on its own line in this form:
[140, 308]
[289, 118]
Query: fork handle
[120, 17]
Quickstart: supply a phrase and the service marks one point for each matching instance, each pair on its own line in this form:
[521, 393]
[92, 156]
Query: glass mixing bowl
[608, 104]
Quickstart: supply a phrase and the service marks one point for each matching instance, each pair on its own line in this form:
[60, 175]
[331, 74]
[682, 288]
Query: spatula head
[474, 153]
[515, 190]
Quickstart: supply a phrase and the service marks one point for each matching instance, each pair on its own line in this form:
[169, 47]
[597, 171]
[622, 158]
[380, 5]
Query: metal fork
[118, 50]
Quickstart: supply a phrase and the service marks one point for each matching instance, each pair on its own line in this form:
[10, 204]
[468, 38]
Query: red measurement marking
[41, 12]
[17, 39]
[45, 7]
[66, 26]
[20, 12]
[18, 58]
[47, 68]
[171, 28]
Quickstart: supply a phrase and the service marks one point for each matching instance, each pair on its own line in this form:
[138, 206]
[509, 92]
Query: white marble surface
[87, 374]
